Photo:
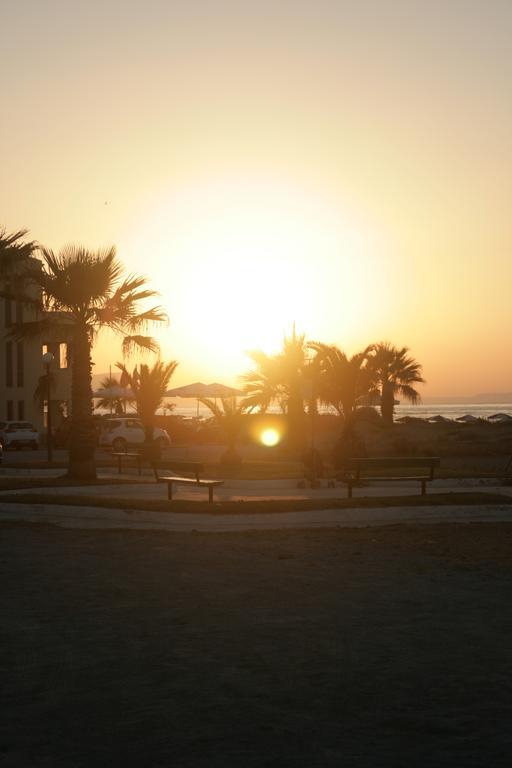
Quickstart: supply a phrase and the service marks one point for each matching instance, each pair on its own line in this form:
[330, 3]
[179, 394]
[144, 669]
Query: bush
[402, 446]
[313, 464]
[348, 446]
[368, 413]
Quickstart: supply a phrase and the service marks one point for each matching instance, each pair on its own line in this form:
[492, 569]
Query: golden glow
[270, 437]
[344, 165]
[238, 262]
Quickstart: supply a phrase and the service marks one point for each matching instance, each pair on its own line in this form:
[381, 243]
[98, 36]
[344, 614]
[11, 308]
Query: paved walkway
[252, 490]
[96, 517]
[73, 516]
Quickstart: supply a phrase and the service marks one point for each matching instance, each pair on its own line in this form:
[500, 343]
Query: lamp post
[47, 361]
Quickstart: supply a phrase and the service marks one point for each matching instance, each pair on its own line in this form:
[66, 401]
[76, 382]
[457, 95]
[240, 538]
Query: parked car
[18, 435]
[122, 433]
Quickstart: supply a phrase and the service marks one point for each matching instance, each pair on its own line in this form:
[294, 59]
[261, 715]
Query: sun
[270, 437]
[238, 262]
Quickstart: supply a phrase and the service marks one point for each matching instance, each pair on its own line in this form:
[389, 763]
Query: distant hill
[98, 378]
[484, 397]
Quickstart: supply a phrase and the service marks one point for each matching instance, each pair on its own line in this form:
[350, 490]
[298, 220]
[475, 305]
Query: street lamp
[48, 359]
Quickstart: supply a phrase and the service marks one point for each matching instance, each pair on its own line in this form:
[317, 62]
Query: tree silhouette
[149, 385]
[76, 294]
[394, 372]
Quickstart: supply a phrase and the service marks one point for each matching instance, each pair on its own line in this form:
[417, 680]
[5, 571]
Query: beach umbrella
[221, 390]
[468, 418]
[439, 419]
[197, 390]
[500, 417]
[410, 420]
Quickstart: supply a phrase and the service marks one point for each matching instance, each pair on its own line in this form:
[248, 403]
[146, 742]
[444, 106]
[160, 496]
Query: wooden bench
[355, 470]
[120, 455]
[195, 469]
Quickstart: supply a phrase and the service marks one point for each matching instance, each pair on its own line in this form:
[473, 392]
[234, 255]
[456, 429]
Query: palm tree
[14, 250]
[79, 293]
[115, 401]
[229, 418]
[149, 386]
[280, 378]
[343, 381]
[393, 373]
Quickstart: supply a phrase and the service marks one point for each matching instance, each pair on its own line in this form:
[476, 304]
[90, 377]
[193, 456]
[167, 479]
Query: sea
[189, 409]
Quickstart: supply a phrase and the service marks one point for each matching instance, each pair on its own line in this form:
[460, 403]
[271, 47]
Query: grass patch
[259, 507]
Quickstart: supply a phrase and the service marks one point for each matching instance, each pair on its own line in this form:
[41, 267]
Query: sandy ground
[367, 647]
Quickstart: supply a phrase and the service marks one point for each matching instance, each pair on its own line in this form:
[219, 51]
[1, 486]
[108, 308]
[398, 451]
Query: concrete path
[257, 490]
[252, 490]
[97, 517]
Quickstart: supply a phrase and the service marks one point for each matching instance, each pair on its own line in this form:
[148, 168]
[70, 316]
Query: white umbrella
[468, 418]
[500, 417]
[198, 390]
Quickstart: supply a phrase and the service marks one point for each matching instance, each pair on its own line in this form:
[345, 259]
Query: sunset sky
[344, 165]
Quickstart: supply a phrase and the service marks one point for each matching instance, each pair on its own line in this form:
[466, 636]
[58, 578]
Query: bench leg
[349, 486]
[423, 487]
[139, 465]
[210, 494]
[169, 491]
[118, 465]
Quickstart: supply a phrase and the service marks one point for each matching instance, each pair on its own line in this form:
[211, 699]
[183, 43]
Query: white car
[124, 432]
[18, 434]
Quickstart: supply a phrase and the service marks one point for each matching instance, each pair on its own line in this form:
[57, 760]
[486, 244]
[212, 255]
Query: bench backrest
[192, 467]
[393, 462]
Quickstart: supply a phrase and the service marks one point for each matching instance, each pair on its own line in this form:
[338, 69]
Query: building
[23, 381]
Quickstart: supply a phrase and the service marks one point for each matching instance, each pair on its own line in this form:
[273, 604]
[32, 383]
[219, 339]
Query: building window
[10, 410]
[63, 355]
[59, 352]
[8, 363]
[20, 365]
[21, 410]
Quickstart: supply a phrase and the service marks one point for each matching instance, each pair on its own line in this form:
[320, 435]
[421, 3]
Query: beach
[385, 646]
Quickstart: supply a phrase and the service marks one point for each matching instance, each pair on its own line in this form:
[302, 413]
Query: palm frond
[138, 343]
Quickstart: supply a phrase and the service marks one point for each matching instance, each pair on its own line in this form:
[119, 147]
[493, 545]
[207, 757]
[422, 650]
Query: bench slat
[355, 470]
[190, 481]
[388, 477]
[407, 461]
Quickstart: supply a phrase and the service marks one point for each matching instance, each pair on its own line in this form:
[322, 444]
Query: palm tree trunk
[296, 425]
[387, 403]
[82, 433]
[348, 415]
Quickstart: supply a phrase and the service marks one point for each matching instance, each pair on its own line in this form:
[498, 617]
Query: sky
[346, 166]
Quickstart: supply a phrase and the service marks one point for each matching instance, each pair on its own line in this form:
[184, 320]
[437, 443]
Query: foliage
[393, 372]
[149, 386]
[229, 417]
[281, 378]
[116, 402]
[343, 381]
[14, 251]
[78, 293]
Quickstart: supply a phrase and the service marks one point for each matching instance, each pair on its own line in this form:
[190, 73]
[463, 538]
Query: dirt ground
[363, 647]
